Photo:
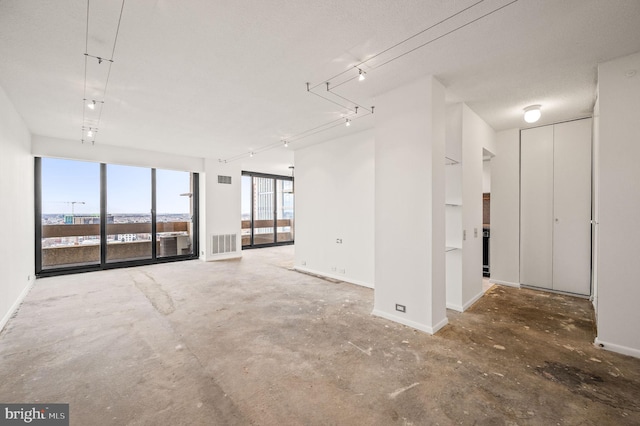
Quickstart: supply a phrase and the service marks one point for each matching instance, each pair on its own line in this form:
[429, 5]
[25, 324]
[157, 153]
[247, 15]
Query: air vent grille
[225, 243]
[224, 179]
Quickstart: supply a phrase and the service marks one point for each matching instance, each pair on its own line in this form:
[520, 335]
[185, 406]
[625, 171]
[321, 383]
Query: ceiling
[220, 79]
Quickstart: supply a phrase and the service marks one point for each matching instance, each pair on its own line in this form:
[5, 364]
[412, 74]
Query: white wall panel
[536, 207]
[572, 207]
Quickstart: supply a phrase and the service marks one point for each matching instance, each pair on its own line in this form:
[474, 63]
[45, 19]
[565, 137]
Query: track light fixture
[90, 133]
[532, 113]
[286, 144]
[251, 154]
[361, 77]
[348, 123]
[92, 104]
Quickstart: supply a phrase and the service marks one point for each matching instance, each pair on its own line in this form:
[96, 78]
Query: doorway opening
[486, 218]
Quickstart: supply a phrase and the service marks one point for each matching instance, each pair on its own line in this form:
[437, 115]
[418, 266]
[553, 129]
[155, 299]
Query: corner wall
[618, 268]
[476, 135]
[335, 202]
[410, 205]
[17, 216]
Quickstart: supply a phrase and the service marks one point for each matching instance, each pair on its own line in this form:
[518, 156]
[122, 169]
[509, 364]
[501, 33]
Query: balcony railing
[173, 238]
[263, 233]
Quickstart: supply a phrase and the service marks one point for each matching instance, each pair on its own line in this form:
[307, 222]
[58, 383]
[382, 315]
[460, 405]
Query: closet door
[536, 207]
[572, 207]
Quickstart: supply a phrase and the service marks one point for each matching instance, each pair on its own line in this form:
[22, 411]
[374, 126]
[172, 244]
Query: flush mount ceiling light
[532, 113]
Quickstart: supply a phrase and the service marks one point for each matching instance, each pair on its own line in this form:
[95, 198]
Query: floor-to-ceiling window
[128, 213]
[267, 210]
[174, 210]
[94, 216]
[70, 213]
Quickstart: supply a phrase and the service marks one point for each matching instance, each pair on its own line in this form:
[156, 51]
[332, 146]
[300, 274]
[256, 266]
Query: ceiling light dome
[532, 113]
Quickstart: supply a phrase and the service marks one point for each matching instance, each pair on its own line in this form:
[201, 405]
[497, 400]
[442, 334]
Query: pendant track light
[361, 77]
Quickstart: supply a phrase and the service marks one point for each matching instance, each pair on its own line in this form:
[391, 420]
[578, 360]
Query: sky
[66, 184]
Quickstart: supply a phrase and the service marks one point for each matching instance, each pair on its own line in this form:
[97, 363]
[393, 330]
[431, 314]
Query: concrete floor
[250, 342]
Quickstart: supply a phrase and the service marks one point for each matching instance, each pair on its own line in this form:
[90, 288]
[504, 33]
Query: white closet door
[572, 207]
[536, 206]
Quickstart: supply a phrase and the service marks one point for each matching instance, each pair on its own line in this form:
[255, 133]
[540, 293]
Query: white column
[219, 207]
[409, 205]
[618, 268]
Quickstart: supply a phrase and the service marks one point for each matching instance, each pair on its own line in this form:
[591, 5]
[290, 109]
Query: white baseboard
[453, 307]
[224, 256]
[507, 283]
[16, 304]
[422, 327]
[473, 300]
[617, 348]
[462, 308]
[333, 276]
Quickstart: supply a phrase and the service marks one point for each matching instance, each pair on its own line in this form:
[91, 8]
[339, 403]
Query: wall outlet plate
[401, 308]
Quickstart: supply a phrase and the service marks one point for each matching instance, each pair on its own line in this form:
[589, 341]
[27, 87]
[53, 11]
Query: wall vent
[224, 179]
[225, 243]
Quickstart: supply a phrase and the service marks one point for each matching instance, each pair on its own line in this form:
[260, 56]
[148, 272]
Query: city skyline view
[73, 187]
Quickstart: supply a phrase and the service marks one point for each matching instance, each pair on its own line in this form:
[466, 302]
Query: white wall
[16, 215]
[619, 204]
[486, 176]
[505, 209]
[335, 200]
[409, 205]
[220, 207]
[44, 146]
[476, 136]
[595, 202]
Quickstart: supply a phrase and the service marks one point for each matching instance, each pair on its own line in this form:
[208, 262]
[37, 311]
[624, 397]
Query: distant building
[93, 219]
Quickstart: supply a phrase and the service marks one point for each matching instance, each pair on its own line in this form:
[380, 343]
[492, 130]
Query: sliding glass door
[128, 213]
[174, 211]
[267, 210]
[95, 216]
[70, 213]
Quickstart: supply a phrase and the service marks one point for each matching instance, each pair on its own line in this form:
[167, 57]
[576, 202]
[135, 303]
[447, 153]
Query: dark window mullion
[154, 226]
[275, 210]
[253, 207]
[38, 212]
[103, 214]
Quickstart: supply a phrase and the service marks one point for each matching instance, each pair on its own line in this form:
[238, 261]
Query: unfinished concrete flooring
[250, 342]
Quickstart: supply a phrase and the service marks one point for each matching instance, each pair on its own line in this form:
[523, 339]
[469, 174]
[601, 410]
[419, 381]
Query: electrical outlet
[475, 232]
[464, 235]
[333, 269]
[342, 271]
[338, 240]
[303, 263]
[401, 308]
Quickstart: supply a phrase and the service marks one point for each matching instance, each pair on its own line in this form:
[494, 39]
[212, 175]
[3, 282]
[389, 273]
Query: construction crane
[73, 205]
